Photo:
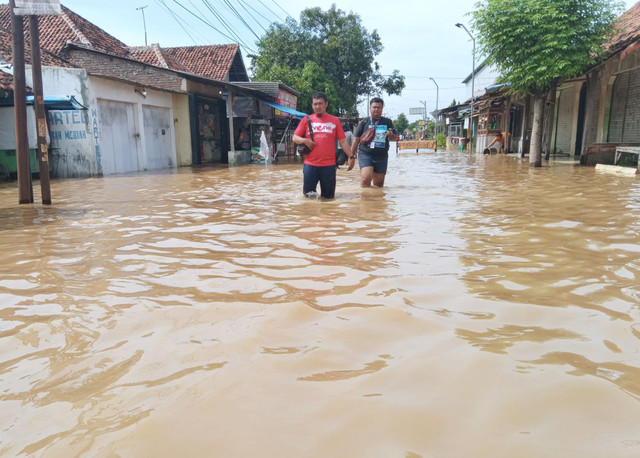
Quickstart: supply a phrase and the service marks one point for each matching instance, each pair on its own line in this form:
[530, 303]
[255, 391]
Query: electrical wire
[243, 4]
[203, 21]
[177, 19]
[241, 18]
[270, 10]
[224, 23]
[285, 12]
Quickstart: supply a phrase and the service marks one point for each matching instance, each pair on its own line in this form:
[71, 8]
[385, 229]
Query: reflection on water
[474, 307]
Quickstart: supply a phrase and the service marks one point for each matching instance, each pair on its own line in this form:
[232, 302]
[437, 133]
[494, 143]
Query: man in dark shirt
[374, 156]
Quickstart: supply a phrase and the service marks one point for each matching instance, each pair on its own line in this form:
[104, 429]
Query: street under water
[474, 307]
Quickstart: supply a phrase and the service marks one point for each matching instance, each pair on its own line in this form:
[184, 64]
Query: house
[598, 111]
[145, 108]
[8, 162]
[266, 106]
[117, 131]
[284, 116]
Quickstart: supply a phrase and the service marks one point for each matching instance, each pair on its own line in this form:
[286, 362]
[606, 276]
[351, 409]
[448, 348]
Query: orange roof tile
[56, 31]
[46, 58]
[155, 55]
[6, 82]
[212, 61]
[629, 29]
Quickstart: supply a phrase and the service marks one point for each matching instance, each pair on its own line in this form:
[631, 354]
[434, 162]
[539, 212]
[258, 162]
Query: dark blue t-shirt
[380, 144]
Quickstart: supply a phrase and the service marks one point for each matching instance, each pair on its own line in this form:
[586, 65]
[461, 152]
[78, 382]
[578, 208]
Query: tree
[536, 43]
[340, 48]
[401, 123]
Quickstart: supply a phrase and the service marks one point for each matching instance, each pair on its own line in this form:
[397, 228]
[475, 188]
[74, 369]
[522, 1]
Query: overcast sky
[419, 37]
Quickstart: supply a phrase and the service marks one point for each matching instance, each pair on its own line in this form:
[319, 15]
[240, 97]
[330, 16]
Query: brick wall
[564, 122]
[107, 66]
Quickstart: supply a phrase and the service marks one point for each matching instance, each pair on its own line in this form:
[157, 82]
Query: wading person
[501, 138]
[373, 156]
[320, 163]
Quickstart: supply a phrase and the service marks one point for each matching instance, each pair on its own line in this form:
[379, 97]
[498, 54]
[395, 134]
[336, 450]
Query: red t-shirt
[326, 130]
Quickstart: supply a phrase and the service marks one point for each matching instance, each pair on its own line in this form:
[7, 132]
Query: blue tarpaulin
[60, 102]
[290, 111]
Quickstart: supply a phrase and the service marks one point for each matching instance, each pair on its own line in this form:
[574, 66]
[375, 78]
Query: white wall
[76, 145]
[73, 143]
[8, 128]
[106, 89]
[485, 77]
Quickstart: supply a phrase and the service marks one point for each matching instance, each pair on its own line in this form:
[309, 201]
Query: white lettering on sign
[36, 7]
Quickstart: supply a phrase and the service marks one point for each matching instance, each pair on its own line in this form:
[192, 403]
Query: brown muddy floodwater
[473, 308]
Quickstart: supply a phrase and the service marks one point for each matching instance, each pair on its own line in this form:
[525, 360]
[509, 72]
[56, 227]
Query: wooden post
[25, 188]
[41, 122]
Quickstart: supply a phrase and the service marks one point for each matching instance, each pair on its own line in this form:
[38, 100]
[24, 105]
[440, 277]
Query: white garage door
[118, 137]
[158, 137]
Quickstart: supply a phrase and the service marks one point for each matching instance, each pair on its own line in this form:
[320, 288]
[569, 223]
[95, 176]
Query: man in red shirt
[320, 163]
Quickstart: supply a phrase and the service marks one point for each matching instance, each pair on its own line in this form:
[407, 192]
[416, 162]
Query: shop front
[209, 130]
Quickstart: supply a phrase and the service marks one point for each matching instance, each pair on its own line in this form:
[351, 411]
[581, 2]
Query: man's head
[376, 105]
[319, 103]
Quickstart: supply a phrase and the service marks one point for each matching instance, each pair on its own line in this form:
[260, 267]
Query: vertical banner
[36, 7]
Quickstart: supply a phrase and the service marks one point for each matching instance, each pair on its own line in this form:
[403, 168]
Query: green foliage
[536, 43]
[441, 141]
[453, 103]
[332, 43]
[401, 123]
[628, 160]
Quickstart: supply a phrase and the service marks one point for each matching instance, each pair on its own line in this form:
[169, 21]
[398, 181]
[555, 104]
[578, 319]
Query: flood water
[472, 308]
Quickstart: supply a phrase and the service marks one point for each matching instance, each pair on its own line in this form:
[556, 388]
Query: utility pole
[144, 23]
[38, 104]
[473, 78]
[437, 97]
[424, 117]
[25, 188]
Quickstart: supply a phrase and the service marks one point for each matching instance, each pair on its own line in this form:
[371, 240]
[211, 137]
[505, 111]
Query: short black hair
[320, 95]
[376, 100]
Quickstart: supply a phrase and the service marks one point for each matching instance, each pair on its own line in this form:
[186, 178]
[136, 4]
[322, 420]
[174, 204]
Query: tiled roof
[629, 29]
[212, 61]
[6, 82]
[46, 58]
[155, 55]
[56, 31]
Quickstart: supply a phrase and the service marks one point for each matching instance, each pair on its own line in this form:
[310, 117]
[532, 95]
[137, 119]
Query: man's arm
[392, 136]
[298, 140]
[344, 144]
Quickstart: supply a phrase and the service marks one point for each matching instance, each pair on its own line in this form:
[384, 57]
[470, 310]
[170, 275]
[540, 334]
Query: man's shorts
[379, 163]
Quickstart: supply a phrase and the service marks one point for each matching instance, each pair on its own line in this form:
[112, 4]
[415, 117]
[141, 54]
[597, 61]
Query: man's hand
[351, 163]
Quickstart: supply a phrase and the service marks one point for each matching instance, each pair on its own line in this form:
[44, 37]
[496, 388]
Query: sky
[420, 38]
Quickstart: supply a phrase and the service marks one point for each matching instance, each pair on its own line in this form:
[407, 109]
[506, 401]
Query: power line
[285, 12]
[270, 10]
[239, 16]
[202, 20]
[243, 5]
[223, 22]
[177, 19]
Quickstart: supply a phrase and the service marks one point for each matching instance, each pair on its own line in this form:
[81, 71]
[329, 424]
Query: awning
[290, 111]
[60, 102]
